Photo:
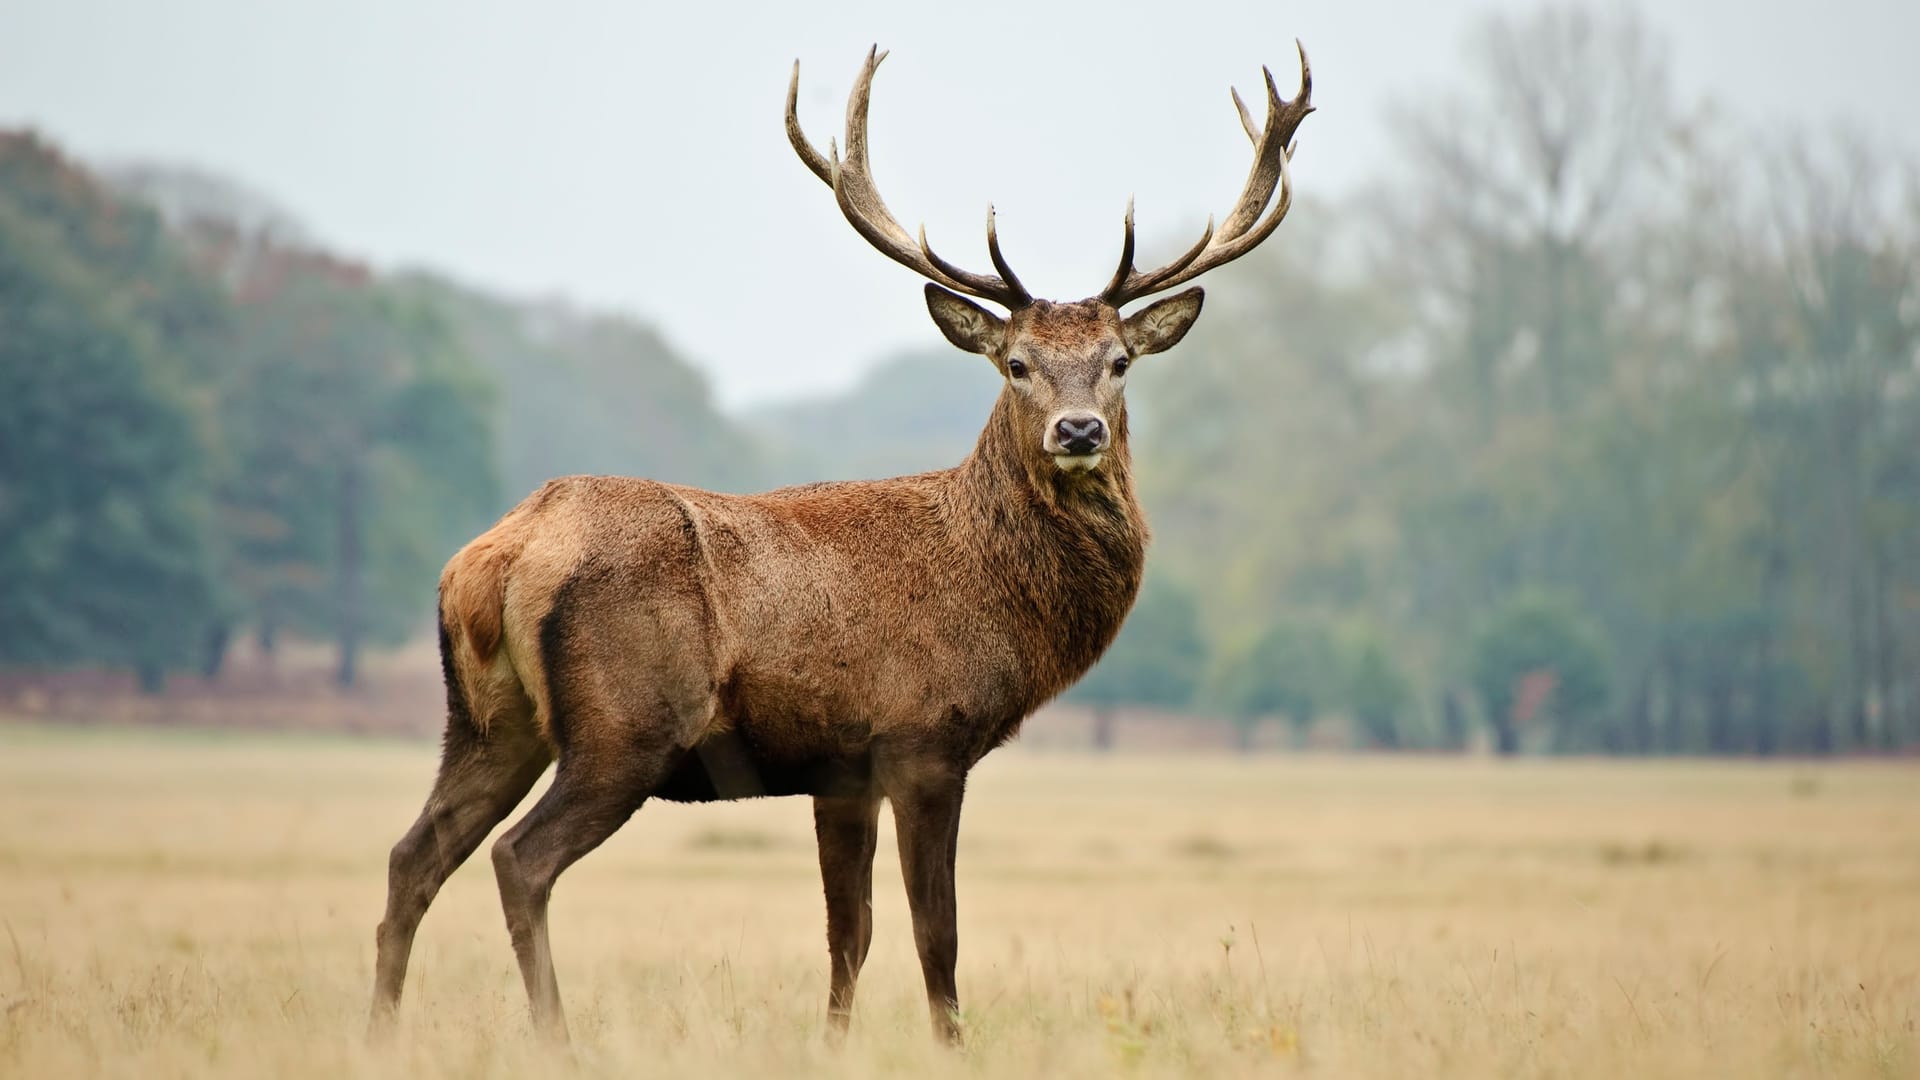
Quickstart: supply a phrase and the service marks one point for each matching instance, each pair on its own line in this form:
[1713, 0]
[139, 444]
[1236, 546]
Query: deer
[854, 642]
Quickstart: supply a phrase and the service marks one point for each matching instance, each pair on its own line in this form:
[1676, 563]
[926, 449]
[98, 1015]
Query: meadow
[195, 905]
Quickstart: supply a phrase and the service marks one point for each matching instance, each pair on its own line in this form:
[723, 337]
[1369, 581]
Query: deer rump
[754, 626]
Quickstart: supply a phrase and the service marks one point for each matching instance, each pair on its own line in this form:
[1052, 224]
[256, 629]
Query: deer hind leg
[482, 778]
[593, 794]
[625, 686]
[847, 829]
[622, 727]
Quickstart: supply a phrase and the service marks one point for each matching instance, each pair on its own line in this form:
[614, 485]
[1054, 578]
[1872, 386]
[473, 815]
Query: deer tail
[473, 593]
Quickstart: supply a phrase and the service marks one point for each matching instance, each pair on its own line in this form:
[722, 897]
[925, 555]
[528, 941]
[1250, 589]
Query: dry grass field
[182, 905]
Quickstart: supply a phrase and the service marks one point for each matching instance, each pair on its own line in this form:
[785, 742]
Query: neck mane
[1063, 551]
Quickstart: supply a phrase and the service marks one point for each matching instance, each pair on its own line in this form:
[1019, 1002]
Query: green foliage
[1664, 376]
[1376, 691]
[1291, 670]
[580, 393]
[1533, 635]
[362, 450]
[105, 538]
[209, 426]
[204, 427]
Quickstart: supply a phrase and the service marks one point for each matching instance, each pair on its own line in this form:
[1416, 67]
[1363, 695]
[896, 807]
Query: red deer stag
[847, 641]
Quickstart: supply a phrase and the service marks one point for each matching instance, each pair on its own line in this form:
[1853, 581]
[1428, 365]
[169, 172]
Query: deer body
[849, 641]
[786, 663]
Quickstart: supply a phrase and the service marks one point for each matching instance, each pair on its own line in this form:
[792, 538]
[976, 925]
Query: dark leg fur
[847, 829]
[591, 797]
[482, 778]
[926, 814]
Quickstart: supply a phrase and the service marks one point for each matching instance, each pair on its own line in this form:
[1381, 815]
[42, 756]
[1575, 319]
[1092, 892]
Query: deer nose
[1081, 434]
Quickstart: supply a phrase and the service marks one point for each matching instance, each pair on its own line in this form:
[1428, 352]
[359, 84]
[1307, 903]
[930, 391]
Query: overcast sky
[630, 155]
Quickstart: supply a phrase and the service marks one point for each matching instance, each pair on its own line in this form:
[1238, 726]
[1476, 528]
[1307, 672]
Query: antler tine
[1005, 289]
[1130, 284]
[1138, 284]
[815, 163]
[1243, 228]
[851, 179]
[1125, 270]
[1306, 75]
[1246, 118]
[1265, 173]
[1000, 261]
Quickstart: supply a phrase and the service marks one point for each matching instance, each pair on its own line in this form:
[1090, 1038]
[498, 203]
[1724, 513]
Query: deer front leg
[847, 829]
[926, 814]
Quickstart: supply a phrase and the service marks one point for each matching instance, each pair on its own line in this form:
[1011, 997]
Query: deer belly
[724, 766]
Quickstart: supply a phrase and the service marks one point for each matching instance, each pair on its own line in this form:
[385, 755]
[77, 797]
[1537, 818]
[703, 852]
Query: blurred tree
[1264, 443]
[584, 393]
[1156, 659]
[1519, 187]
[1845, 404]
[316, 439]
[1538, 658]
[1375, 690]
[364, 446]
[1291, 670]
[105, 538]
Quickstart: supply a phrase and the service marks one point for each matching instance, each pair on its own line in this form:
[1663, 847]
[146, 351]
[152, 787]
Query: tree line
[210, 425]
[1592, 426]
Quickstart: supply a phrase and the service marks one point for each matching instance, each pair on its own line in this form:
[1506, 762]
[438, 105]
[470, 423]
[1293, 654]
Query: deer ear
[1160, 326]
[968, 325]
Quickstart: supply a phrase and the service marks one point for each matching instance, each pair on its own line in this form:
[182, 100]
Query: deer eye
[1120, 365]
[1016, 369]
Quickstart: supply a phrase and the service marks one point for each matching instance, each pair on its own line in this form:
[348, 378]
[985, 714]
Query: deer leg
[847, 829]
[586, 804]
[482, 778]
[926, 814]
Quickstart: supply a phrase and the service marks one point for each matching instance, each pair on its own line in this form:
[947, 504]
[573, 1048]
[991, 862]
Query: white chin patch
[1077, 462]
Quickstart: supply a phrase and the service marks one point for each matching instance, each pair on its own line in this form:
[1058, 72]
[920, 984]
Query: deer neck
[1062, 551]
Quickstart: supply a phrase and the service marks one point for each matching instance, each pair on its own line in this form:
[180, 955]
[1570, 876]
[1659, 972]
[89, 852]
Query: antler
[853, 187]
[1243, 229]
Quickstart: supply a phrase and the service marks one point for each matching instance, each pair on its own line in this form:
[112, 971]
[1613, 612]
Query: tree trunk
[1103, 717]
[1453, 721]
[1299, 726]
[1766, 699]
[1642, 732]
[213, 653]
[1378, 731]
[1506, 735]
[351, 599]
[1619, 737]
[1720, 708]
[1553, 334]
[1886, 680]
[1820, 739]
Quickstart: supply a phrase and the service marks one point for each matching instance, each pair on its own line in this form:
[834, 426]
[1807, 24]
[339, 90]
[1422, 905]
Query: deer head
[1065, 363]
